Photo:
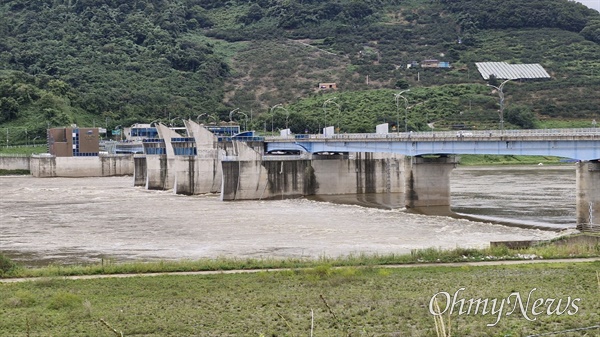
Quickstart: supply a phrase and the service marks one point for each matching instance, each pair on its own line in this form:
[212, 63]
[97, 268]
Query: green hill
[115, 62]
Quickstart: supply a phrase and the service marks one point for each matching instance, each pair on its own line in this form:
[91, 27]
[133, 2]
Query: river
[79, 220]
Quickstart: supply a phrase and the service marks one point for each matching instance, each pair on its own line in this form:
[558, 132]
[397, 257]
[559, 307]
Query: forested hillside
[116, 62]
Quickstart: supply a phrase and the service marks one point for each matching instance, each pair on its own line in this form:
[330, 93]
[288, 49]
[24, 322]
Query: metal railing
[533, 133]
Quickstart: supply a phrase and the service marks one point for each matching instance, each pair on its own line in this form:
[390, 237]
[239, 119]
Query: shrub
[62, 300]
[6, 265]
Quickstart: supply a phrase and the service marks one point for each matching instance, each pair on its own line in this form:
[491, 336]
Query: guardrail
[533, 133]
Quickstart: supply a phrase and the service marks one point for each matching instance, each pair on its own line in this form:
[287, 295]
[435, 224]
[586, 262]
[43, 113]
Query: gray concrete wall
[198, 174]
[359, 173]
[139, 170]
[157, 173]
[588, 195]
[102, 166]
[244, 177]
[252, 176]
[14, 163]
[428, 184]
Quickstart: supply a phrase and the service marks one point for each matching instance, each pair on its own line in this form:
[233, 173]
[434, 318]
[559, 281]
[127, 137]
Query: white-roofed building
[505, 71]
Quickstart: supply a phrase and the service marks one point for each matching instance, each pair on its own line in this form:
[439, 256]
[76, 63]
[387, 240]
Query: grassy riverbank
[23, 150]
[360, 298]
[564, 247]
[349, 301]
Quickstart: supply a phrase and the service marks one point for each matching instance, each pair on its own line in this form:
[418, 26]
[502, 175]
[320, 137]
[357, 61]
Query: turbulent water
[86, 219]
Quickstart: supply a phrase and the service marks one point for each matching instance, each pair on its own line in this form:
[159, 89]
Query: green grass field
[352, 296]
[346, 302]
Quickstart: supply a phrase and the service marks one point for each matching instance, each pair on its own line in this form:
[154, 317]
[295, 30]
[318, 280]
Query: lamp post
[118, 127]
[272, 114]
[34, 140]
[397, 97]
[245, 119]
[231, 114]
[594, 123]
[331, 100]
[198, 118]
[500, 89]
[172, 119]
[287, 116]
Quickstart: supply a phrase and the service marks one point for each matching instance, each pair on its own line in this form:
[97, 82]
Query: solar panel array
[505, 71]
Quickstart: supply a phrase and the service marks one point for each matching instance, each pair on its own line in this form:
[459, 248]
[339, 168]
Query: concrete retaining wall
[14, 163]
[102, 166]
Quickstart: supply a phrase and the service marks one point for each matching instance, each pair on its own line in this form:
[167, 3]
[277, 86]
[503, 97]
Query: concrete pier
[160, 167]
[428, 184]
[157, 173]
[248, 175]
[588, 196]
[139, 170]
[244, 177]
[200, 173]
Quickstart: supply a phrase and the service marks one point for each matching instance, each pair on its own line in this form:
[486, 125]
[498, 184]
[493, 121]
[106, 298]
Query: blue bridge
[577, 144]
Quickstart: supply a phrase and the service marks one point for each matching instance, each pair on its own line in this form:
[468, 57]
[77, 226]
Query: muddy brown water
[80, 220]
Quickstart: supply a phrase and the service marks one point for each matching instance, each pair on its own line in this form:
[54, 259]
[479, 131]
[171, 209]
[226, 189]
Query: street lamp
[172, 119]
[287, 116]
[331, 100]
[198, 118]
[500, 89]
[231, 114]
[118, 127]
[245, 119]
[398, 96]
[34, 140]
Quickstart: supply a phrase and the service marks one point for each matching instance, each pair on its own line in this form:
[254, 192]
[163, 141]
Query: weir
[416, 166]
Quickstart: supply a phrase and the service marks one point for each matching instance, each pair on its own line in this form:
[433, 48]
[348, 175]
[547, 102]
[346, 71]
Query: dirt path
[247, 271]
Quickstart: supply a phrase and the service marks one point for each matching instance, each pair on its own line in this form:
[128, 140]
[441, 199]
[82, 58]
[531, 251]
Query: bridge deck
[580, 144]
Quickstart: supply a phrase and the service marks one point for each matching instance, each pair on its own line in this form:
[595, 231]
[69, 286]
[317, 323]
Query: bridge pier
[139, 170]
[588, 195]
[428, 184]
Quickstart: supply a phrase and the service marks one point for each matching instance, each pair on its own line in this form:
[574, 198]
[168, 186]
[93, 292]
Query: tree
[521, 116]
[9, 108]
